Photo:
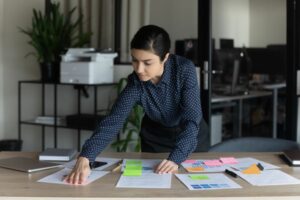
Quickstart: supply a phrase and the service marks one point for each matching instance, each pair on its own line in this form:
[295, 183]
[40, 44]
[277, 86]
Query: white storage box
[85, 66]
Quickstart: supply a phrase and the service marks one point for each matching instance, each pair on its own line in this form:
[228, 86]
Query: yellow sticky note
[195, 169]
[253, 169]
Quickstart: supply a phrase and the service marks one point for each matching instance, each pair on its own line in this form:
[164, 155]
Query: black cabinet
[55, 125]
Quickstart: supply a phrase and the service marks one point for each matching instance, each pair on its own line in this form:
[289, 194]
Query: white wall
[14, 64]
[255, 23]
[267, 22]
[178, 17]
[230, 19]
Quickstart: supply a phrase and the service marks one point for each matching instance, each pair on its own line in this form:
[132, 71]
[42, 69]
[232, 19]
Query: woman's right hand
[80, 172]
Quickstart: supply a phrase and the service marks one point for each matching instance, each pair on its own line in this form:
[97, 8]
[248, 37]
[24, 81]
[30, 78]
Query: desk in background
[19, 184]
[274, 88]
[240, 98]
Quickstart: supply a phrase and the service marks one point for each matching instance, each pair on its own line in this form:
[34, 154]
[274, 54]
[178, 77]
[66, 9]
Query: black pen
[231, 173]
[260, 166]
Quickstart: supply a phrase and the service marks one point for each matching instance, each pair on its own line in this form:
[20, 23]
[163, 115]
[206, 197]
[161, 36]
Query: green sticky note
[133, 167]
[198, 177]
[129, 172]
[133, 162]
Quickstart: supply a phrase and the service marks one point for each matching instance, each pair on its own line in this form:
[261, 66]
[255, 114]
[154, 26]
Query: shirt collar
[167, 73]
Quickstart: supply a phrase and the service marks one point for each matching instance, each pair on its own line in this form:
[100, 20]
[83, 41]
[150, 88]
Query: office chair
[254, 144]
[11, 145]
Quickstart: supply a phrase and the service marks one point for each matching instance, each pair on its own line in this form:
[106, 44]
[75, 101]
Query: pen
[260, 166]
[231, 173]
[118, 168]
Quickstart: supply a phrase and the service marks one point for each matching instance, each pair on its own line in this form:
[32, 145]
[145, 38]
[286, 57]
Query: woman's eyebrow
[146, 60]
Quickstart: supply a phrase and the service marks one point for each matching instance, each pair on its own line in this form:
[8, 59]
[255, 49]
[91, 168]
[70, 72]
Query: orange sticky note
[195, 169]
[253, 169]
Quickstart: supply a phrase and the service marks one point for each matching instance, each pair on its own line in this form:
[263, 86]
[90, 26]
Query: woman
[165, 85]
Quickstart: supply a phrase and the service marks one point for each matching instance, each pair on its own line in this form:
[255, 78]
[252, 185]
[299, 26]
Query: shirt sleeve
[191, 115]
[109, 127]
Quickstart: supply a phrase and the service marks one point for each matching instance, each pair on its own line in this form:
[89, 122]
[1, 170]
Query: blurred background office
[249, 64]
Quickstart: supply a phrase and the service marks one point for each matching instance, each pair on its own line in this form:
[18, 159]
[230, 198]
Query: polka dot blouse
[174, 100]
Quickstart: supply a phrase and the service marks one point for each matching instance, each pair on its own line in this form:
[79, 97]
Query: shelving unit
[55, 111]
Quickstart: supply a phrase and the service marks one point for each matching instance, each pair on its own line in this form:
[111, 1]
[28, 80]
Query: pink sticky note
[228, 160]
[212, 163]
[189, 161]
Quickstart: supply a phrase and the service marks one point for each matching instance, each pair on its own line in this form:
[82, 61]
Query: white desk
[239, 99]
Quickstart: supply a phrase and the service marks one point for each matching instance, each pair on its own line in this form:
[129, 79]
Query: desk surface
[252, 94]
[19, 184]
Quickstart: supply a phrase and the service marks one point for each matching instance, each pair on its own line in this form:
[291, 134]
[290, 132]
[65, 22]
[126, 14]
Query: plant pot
[50, 72]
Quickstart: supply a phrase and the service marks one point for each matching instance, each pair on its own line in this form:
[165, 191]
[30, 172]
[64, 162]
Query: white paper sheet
[57, 177]
[244, 163]
[269, 177]
[213, 182]
[146, 180]
[110, 162]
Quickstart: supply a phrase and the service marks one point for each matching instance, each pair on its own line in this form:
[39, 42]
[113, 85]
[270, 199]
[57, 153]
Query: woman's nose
[140, 68]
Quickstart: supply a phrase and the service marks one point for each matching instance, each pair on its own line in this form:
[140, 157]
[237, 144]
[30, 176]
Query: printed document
[146, 180]
[58, 177]
[209, 181]
[269, 177]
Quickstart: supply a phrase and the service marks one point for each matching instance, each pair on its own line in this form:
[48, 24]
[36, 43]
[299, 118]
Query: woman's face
[147, 65]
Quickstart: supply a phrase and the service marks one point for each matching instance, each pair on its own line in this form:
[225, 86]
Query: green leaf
[51, 34]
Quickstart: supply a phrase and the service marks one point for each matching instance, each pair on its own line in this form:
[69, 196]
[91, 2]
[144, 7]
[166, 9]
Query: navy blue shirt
[173, 101]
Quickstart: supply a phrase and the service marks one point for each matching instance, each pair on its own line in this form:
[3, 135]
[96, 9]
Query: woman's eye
[147, 64]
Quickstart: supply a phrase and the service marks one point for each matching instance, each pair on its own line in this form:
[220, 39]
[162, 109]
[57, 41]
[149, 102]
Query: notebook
[56, 154]
[26, 164]
[293, 156]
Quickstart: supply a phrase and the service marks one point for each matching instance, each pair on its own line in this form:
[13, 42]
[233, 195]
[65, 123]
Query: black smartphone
[96, 164]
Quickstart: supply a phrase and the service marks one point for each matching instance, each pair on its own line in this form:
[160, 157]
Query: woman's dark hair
[152, 38]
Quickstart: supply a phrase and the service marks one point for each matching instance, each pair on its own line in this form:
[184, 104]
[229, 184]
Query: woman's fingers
[166, 166]
[79, 173]
[159, 167]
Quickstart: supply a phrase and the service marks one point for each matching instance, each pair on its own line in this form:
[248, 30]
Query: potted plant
[50, 35]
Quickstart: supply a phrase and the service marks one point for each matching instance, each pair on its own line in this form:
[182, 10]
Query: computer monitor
[269, 61]
[187, 48]
[226, 43]
[229, 68]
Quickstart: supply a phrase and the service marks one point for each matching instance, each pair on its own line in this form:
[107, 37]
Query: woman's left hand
[166, 166]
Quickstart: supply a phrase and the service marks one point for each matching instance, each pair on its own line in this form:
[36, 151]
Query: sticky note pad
[132, 172]
[253, 169]
[198, 177]
[212, 163]
[228, 160]
[195, 169]
[133, 167]
[189, 161]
